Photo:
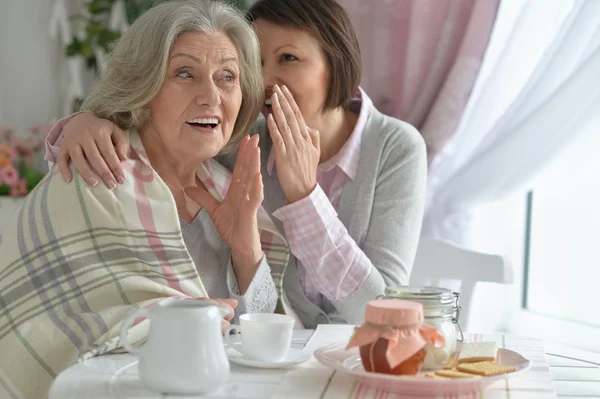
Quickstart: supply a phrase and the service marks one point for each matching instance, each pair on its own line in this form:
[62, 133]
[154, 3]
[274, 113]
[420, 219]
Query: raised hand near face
[297, 148]
[236, 216]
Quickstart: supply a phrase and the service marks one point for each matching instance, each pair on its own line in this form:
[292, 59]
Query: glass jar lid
[425, 295]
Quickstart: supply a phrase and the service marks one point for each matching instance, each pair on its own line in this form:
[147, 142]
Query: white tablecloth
[575, 374]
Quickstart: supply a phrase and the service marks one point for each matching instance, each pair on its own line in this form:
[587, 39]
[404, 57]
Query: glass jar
[392, 319]
[441, 310]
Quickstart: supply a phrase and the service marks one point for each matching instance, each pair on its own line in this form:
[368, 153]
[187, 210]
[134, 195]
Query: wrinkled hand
[87, 138]
[236, 216]
[227, 303]
[297, 147]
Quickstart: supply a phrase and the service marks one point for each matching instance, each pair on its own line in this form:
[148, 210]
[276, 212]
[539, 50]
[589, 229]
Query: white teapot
[184, 352]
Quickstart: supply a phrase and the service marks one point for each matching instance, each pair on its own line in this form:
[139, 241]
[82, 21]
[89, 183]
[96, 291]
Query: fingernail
[275, 98]
[286, 89]
[276, 87]
[121, 179]
[93, 181]
[111, 184]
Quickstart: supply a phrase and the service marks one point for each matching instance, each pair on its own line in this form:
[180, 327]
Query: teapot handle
[226, 336]
[223, 311]
[143, 312]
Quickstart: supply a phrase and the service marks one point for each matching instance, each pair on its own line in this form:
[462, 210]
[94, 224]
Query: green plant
[240, 4]
[98, 35]
[136, 8]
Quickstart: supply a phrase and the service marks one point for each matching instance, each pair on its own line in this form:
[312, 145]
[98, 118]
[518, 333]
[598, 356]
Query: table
[89, 378]
[576, 374]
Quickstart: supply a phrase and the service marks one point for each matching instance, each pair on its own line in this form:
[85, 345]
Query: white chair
[437, 261]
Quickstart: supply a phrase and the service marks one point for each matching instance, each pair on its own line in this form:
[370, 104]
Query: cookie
[477, 352]
[452, 363]
[485, 368]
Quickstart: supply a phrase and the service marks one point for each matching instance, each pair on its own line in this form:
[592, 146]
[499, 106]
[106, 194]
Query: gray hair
[137, 66]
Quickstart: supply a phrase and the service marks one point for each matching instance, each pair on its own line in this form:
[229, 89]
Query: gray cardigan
[382, 210]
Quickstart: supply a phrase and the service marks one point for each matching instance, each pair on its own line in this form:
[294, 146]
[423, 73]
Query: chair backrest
[438, 261]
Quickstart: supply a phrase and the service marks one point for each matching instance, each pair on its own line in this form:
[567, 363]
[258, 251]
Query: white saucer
[293, 357]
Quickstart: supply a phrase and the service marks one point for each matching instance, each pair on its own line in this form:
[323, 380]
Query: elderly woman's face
[195, 111]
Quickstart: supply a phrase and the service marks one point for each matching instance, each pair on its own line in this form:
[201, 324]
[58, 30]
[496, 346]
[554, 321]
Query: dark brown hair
[329, 23]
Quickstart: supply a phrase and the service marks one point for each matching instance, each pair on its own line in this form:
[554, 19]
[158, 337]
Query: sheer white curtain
[538, 86]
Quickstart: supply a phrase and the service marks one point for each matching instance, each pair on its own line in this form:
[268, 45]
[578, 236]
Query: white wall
[32, 67]
[32, 70]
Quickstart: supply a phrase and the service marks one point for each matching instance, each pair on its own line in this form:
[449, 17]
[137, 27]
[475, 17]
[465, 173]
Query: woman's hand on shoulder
[297, 147]
[90, 143]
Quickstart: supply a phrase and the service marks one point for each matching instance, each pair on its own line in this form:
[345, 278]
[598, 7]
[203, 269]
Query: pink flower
[19, 189]
[9, 176]
[7, 133]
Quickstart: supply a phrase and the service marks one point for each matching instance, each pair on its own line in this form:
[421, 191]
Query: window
[563, 265]
[561, 276]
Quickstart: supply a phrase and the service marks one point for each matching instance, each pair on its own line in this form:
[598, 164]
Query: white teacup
[265, 336]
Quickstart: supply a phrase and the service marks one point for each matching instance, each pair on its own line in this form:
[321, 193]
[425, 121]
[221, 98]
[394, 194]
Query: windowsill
[555, 331]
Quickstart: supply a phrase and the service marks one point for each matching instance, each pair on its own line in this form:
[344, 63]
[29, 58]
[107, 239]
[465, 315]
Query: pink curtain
[421, 58]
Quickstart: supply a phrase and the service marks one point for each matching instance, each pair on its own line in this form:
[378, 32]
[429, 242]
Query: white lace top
[212, 258]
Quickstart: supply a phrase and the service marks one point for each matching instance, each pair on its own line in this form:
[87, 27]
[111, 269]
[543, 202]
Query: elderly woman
[184, 83]
[350, 198]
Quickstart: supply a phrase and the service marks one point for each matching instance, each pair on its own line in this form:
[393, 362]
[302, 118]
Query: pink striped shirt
[329, 261]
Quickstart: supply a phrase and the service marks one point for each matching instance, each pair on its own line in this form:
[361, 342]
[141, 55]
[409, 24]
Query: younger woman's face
[294, 58]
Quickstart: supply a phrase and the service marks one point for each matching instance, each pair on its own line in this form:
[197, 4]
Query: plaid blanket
[75, 260]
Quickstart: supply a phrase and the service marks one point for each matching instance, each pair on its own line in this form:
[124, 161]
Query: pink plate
[348, 362]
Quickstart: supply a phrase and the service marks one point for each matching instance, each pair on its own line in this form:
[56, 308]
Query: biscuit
[477, 352]
[452, 363]
[485, 368]
[455, 374]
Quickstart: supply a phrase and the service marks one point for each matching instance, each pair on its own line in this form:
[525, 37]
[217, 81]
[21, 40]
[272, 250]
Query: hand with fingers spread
[94, 145]
[236, 216]
[296, 146]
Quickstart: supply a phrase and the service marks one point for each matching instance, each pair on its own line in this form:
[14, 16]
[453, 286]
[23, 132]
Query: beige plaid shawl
[75, 260]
